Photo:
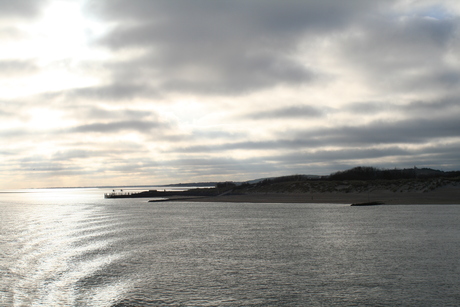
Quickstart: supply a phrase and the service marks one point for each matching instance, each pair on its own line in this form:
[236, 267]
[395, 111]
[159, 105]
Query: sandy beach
[443, 195]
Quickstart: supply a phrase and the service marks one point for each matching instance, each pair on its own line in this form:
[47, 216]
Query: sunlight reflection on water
[57, 239]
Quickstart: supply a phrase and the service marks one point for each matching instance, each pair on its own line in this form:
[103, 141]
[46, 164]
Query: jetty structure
[120, 194]
[159, 194]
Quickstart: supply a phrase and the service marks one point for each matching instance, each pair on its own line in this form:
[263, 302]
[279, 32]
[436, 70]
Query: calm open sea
[74, 248]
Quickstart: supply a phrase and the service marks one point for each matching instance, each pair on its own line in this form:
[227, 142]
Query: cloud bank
[146, 92]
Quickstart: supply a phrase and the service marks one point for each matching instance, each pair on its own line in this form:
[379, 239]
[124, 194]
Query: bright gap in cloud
[57, 44]
[42, 119]
[62, 32]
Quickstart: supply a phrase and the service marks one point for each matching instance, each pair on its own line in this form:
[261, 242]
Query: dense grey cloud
[20, 8]
[440, 156]
[413, 131]
[351, 156]
[279, 144]
[113, 92]
[221, 47]
[313, 162]
[407, 132]
[210, 167]
[267, 16]
[418, 108]
[406, 52]
[290, 112]
[446, 106]
[401, 43]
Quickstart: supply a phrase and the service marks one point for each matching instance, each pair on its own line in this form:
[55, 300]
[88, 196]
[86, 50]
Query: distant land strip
[354, 186]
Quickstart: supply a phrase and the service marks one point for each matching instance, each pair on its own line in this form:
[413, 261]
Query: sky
[139, 92]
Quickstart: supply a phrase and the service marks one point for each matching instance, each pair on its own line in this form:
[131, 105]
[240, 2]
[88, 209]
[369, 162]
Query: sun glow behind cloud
[60, 33]
[45, 119]
[57, 43]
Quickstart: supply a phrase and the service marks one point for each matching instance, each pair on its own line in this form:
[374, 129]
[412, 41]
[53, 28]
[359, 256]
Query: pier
[115, 194]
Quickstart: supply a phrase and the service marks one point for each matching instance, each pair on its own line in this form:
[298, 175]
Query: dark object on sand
[369, 203]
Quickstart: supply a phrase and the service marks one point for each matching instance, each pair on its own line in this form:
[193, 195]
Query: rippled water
[74, 248]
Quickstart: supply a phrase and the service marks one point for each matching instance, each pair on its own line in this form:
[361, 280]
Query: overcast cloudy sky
[127, 92]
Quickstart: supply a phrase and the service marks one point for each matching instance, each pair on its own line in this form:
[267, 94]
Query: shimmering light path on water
[74, 248]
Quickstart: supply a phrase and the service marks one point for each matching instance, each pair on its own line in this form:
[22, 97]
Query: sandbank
[444, 195]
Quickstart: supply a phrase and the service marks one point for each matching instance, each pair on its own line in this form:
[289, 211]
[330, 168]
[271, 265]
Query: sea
[72, 247]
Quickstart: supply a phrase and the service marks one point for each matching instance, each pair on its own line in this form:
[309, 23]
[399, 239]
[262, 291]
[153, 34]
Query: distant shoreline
[302, 189]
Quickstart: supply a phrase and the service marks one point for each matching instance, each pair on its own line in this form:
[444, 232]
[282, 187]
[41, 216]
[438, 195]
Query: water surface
[74, 248]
